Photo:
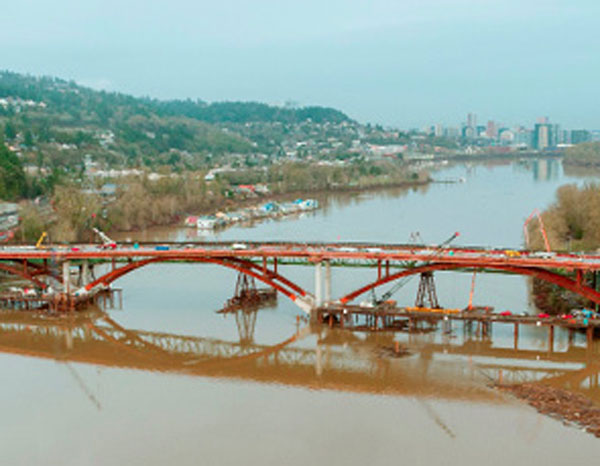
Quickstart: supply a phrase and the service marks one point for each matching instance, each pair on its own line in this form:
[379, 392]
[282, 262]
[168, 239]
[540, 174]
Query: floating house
[209, 222]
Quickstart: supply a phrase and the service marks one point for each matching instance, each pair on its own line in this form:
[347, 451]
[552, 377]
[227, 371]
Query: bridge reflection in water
[460, 368]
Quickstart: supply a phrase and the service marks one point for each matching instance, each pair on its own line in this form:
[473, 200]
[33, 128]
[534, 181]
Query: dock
[478, 320]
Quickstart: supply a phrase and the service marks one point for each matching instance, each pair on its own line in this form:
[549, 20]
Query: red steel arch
[542, 274]
[269, 277]
[23, 273]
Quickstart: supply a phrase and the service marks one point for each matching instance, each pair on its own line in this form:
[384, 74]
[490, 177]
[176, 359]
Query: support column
[327, 282]
[66, 271]
[318, 285]
[46, 276]
[85, 273]
[595, 278]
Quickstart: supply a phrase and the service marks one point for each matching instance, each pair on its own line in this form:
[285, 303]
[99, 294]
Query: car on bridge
[543, 254]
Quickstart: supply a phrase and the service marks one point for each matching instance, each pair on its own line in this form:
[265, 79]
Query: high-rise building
[492, 130]
[471, 120]
[555, 135]
[580, 135]
[523, 137]
[542, 136]
[470, 130]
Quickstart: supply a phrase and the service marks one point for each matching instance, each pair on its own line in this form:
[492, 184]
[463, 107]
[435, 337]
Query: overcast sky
[404, 62]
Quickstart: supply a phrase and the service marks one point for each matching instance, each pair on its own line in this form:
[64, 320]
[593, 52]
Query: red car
[543, 315]
[506, 313]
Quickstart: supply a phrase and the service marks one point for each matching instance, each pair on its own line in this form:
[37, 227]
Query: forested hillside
[50, 125]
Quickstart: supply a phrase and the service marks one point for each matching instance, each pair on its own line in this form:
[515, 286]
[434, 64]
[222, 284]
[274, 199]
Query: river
[167, 380]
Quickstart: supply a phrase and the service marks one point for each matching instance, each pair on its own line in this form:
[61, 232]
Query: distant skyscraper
[542, 136]
[580, 135]
[523, 137]
[555, 135]
[470, 130]
[471, 120]
[438, 131]
[469, 133]
[491, 130]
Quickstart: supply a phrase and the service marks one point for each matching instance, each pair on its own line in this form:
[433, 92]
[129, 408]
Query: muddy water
[168, 380]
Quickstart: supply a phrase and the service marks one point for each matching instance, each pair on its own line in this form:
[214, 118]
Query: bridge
[71, 270]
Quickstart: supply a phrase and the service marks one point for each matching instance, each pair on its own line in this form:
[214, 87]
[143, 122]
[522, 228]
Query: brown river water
[167, 380]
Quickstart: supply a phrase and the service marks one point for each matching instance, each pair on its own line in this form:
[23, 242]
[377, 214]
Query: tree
[28, 138]
[9, 131]
[12, 176]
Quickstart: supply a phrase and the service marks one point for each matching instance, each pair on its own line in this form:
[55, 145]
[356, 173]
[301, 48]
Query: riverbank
[230, 205]
[139, 202]
[497, 156]
[585, 155]
[571, 408]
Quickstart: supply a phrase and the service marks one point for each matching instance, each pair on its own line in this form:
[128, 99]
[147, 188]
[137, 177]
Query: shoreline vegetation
[139, 203]
[585, 155]
[572, 224]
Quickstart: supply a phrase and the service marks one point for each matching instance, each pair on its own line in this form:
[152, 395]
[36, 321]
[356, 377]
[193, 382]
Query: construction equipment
[536, 213]
[41, 239]
[470, 306]
[107, 242]
[394, 289]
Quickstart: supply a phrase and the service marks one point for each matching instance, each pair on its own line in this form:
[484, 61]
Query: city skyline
[541, 134]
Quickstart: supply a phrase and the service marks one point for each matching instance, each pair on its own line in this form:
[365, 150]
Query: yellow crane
[38, 245]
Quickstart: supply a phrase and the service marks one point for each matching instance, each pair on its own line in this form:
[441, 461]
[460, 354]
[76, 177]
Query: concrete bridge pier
[66, 276]
[322, 287]
[327, 282]
[318, 285]
[86, 273]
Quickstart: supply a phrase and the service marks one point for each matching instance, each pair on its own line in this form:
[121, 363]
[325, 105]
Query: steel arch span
[551, 277]
[286, 287]
[25, 273]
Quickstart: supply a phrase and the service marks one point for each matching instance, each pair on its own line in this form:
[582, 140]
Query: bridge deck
[311, 252]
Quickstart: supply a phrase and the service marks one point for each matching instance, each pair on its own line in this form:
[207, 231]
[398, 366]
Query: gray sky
[402, 62]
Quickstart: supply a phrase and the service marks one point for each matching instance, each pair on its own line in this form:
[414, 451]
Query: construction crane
[400, 283]
[107, 243]
[41, 239]
[536, 213]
